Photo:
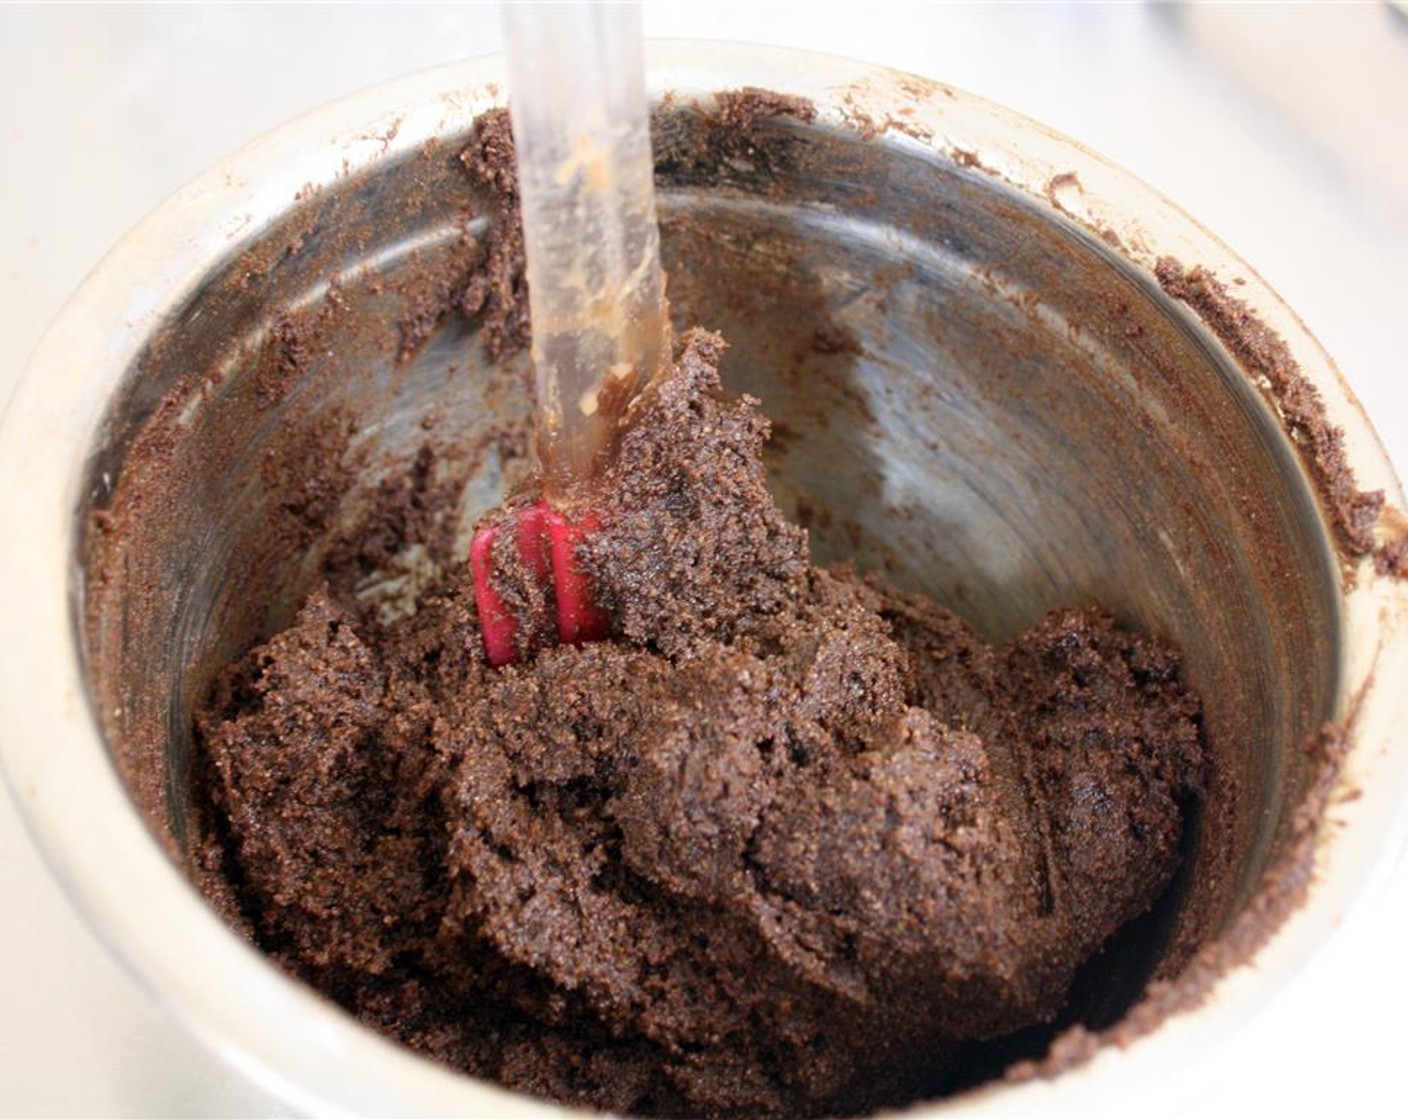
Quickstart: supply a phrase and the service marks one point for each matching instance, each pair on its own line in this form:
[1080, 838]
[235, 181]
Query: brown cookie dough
[790, 845]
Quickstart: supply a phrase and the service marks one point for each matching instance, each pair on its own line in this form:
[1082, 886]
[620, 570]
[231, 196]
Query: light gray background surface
[1283, 130]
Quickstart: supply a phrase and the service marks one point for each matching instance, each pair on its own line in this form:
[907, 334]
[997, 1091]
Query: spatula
[596, 296]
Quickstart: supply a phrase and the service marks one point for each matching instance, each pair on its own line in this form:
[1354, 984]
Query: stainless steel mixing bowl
[979, 385]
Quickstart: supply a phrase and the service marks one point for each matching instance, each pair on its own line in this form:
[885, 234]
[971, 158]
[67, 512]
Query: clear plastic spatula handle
[582, 126]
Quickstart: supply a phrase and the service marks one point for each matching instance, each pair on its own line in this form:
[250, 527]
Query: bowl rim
[283, 1035]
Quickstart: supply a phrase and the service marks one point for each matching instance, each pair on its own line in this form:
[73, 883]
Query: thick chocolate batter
[783, 848]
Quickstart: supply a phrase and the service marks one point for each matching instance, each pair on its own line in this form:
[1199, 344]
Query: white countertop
[1283, 130]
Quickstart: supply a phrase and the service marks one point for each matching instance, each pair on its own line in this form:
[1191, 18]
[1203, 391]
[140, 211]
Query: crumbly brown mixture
[1355, 512]
[497, 290]
[782, 848]
[738, 110]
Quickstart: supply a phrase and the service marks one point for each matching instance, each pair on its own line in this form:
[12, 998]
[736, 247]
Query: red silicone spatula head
[546, 542]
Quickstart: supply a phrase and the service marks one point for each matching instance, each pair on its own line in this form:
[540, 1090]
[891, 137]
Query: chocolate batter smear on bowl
[789, 844]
